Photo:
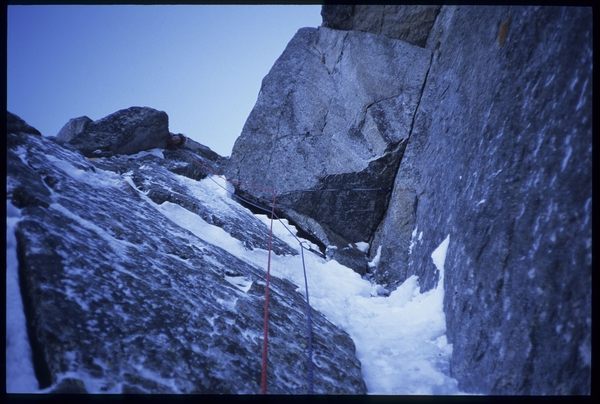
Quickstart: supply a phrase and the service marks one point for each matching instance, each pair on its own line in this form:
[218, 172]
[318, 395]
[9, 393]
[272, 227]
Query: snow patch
[20, 376]
[93, 176]
[439, 259]
[152, 152]
[362, 246]
[412, 240]
[240, 282]
[375, 262]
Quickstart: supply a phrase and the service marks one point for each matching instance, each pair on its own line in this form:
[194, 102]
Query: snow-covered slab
[133, 296]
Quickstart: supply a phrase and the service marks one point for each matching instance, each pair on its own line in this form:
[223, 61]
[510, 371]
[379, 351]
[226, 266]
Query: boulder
[500, 159]
[126, 131]
[120, 299]
[73, 129]
[410, 23]
[328, 131]
[15, 124]
[195, 160]
[204, 151]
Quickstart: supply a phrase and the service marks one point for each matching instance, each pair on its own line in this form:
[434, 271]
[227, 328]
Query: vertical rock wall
[500, 159]
[497, 155]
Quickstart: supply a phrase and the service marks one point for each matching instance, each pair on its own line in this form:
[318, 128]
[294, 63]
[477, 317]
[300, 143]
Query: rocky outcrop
[120, 299]
[72, 129]
[15, 124]
[328, 130]
[126, 131]
[205, 152]
[410, 23]
[500, 160]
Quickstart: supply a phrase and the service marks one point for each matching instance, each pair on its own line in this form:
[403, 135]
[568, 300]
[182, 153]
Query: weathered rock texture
[498, 156]
[329, 128]
[500, 159]
[409, 23]
[120, 299]
[126, 131]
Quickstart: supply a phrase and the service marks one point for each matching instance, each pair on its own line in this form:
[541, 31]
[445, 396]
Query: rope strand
[309, 363]
[263, 381]
[309, 326]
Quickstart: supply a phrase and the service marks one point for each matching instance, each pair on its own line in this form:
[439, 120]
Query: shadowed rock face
[15, 124]
[120, 299]
[334, 111]
[500, 159]
[408, 23]
[126, 131]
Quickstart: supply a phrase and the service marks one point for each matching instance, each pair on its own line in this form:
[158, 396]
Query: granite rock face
[500, 160]
[328, 130]
[126, 131]
[410, 23]
[141, 305]
[72, 129]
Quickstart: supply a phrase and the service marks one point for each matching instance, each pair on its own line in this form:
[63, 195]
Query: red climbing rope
[309, 360]
[263, 379]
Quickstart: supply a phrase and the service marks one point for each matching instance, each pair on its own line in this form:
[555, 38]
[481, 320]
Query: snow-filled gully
[400, 339]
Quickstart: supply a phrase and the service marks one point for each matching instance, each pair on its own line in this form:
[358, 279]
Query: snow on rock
[438, 256]
[139, 303]
[157, 282]
[20, 377]
[362, 246]
[375, 261]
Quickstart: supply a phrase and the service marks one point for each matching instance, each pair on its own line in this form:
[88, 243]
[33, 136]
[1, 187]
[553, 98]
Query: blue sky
[202, 64]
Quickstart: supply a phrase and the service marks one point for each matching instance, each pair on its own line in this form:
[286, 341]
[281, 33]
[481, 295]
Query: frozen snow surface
[400, 339]
[20, 377]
